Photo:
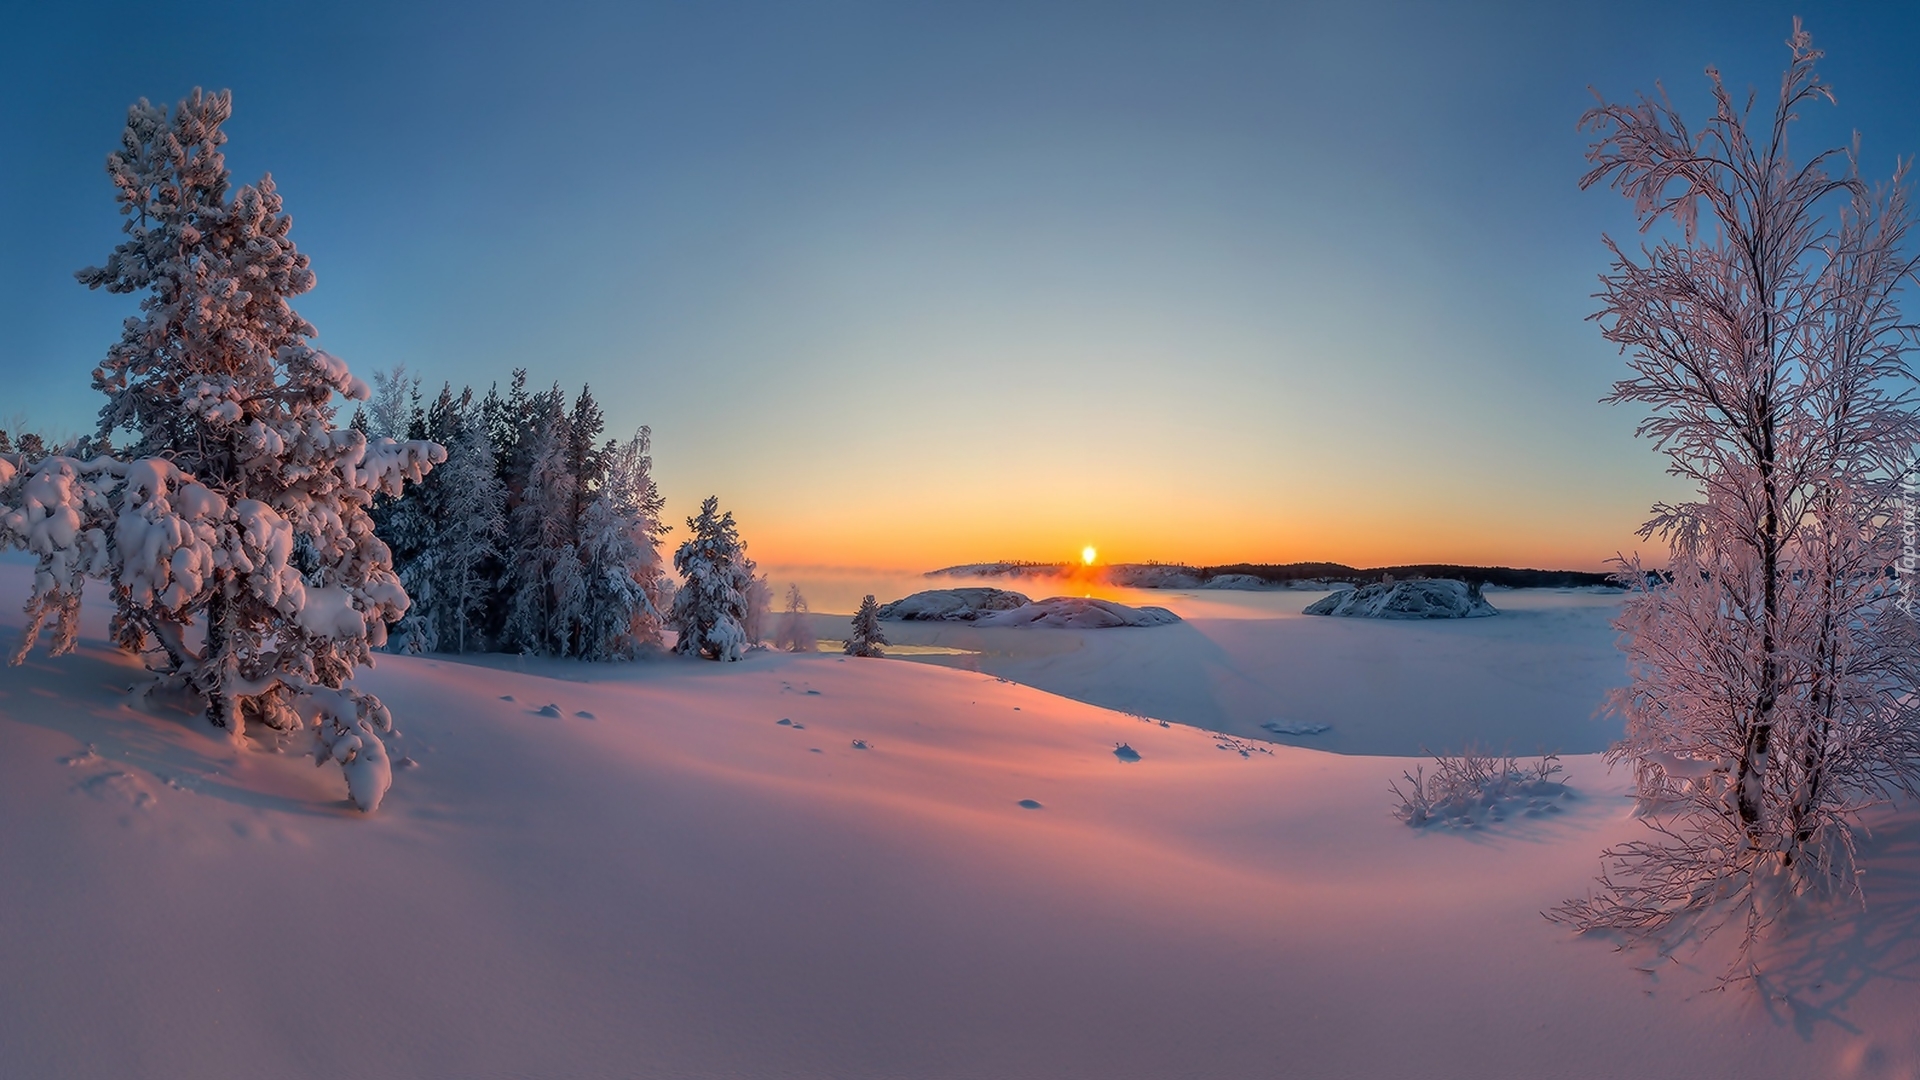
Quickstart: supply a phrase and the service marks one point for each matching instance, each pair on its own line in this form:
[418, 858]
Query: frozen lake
[1528, 680]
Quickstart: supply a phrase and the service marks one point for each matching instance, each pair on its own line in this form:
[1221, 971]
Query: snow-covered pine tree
[795, 633]
[472, 522]
[1773, 677]
[547, 598]
[710, 609]
[234, 531]
[866, 637]
[620, 534]
[410, 522]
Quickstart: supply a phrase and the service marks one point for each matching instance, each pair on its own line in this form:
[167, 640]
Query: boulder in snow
[953, 605]
[1079, 613]
[1421, 598]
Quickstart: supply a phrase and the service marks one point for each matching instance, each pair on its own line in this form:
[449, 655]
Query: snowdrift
[1435, 598]
[1079, 613]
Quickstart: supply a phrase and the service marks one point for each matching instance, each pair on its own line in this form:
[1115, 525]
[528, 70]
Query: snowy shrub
[234, 532]
[1471, 787]
[1773, 675]
[866, 638]
[710, 611]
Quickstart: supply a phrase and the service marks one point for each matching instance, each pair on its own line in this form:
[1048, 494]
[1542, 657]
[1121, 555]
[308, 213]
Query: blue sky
[906, 284]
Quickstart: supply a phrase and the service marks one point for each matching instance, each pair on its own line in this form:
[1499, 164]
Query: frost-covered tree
[465, 549]
[795, 633]
[710, 611]
[389, 413]
[759, 609]
[1773, 676]
[234, 532]
[620, 534]
[548, 592]
[866, 638]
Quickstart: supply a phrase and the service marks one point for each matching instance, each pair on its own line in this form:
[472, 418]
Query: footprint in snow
[1126, 753]
[506, 697]
[547, 710]
[861, 744]
[1029, 804]
[814, 693]
[585, 715]
[784, 721]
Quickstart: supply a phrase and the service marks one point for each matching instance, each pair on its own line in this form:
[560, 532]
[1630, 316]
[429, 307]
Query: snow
[686, 888]
[1435, 598]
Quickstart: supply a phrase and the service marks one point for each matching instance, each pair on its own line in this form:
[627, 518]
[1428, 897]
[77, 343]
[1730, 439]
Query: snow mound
[1079, 613]
[1428, 598]
[953, 605]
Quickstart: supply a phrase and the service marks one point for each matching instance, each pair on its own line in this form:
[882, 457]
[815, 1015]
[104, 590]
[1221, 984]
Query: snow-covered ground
[640, 871]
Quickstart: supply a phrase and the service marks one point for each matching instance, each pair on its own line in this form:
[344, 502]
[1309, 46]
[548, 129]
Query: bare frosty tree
[1772, 672]
[795, 633]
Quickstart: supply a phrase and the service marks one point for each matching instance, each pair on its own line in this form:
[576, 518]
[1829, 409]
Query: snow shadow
[84, 695]
[1816, 963]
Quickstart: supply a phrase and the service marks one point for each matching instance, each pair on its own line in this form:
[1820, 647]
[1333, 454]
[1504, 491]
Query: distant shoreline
[1302, 575]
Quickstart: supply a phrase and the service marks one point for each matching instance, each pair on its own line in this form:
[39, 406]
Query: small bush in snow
[1470, 787]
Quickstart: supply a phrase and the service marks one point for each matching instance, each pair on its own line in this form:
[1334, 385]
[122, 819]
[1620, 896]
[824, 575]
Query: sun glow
[1087, 554]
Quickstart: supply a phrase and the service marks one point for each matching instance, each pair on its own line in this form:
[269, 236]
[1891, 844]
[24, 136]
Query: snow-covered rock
[1425, 598]
[953, 605]
[1079, 613]
[1153, 576]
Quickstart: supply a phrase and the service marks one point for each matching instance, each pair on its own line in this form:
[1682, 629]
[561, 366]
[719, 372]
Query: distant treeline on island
[1284, 575]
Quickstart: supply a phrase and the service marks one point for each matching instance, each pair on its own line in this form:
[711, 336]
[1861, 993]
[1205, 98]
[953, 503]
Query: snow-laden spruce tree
[233, 531]
[466, 542]
[620, 561]
[866, 637]
[710, 611]
[547, 593]
[795, 632]
[1773, 673]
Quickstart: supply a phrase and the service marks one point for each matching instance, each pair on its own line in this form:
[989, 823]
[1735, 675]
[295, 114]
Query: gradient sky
[908, 285]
